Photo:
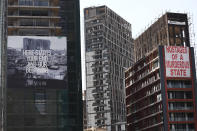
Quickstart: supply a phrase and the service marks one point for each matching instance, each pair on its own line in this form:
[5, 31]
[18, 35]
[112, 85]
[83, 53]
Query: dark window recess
[180, 95]
[179, 84]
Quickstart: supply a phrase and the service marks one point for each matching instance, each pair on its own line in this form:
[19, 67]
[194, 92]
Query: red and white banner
[177, 61]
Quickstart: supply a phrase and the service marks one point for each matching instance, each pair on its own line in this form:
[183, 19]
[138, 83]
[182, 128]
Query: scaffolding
[192, 35]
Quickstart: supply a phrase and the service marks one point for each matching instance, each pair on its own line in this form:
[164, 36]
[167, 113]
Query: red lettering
[176, 49]
[174, 56]
[181, 57]
[178, 72]
[178, 64]
[183, 72]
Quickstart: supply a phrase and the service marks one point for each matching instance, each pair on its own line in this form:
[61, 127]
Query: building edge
[3, 62]
[163, 92]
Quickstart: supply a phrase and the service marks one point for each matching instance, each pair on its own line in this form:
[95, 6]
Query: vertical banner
[177, 61]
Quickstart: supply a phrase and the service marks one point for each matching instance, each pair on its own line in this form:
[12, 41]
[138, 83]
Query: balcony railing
[36, 3]
[40, 17]
[35, 27]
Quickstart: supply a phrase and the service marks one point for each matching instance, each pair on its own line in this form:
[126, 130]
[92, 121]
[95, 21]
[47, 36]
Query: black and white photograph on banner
[37, 57]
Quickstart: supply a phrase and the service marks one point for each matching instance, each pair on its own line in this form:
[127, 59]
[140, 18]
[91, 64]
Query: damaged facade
[109, 49]
[161, 85]
[170, 29]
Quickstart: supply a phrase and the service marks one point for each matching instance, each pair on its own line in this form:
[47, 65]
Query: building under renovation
[109, 49]
[161, 91]
[161, 85]
[170, 29]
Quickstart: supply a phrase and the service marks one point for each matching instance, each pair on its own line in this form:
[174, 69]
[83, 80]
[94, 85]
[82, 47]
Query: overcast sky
[142, 13]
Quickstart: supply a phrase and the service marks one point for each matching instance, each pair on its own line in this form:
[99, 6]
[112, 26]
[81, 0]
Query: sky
[141, 14]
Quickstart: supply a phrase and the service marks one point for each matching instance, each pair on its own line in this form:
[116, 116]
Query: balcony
[15, 7]
[34, 17]
[33, 27]
[144, 107]
[31, 3]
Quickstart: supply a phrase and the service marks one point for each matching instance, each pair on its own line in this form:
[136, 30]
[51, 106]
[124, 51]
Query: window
[26, 22]
[41, 3]
[40, 13]
[177, 35]
[155, 64]
[180, 105]
[35, 2]
[180, 95]
[181, 127]
[41, 22]
[25, 2]
[179, 84]
[159, 97]
[34, 22]
[23, 12]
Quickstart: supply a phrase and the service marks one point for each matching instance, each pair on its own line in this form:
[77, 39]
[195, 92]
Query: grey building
[3, 39]
[84, 111]
[109, 51]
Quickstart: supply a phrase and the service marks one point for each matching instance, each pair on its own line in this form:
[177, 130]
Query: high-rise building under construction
[170, 29]
[161, 85]
[44, 90]
[109, 48]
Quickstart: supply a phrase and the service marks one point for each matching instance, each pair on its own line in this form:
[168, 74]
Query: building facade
[109, 48]
[29, 17]
[84, 111]
[3, 41]
[169, 29]
[40, 104]
[160, 86]
[161, 91]
[95, 129]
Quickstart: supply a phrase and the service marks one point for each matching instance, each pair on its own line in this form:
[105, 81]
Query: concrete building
[29, 17]
[53, 104]
[170, 29]
[161, 91]
[95, 129]
[3, 41]
[109, 49]
[161, 85]
[84, 111]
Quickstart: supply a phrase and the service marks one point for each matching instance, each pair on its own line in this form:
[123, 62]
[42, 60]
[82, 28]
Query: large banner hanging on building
[177, 61]
[36, 57]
